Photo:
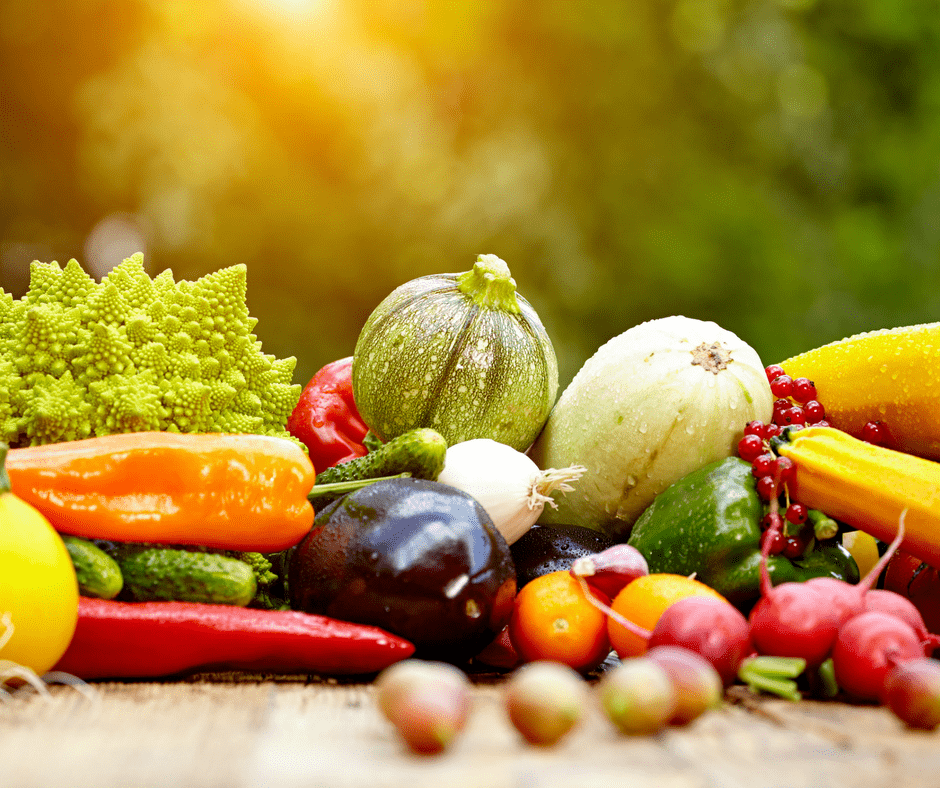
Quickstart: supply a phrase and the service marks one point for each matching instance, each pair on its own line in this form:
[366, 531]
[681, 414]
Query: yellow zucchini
[868, 487]
[892, 376]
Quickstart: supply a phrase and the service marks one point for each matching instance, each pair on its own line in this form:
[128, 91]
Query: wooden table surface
[239, 730]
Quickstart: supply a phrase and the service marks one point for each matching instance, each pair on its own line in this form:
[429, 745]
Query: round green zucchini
[463, 354]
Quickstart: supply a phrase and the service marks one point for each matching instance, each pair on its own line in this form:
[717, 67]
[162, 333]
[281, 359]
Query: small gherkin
[80, 359]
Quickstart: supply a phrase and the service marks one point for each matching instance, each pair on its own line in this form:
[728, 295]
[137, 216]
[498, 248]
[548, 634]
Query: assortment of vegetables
[708, 523]
[680, 506]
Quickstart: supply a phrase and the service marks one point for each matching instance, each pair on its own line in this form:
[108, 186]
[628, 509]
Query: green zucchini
[98, 573]
[419, 453]
[158, 573]
[463, 354]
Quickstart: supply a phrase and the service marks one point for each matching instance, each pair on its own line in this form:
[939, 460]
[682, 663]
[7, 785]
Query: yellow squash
[892, 376]
[868, 487]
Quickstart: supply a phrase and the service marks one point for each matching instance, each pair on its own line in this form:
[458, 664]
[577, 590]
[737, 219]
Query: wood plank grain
[243, 730]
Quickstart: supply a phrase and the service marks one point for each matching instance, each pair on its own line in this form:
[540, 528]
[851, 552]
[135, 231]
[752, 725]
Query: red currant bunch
[795, 400]
[796, 406]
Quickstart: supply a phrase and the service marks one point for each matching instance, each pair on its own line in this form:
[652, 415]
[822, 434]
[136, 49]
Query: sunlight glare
[290, 9]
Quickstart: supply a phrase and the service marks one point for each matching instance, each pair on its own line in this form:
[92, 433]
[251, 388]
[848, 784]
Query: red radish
[399, 679]
[427, 702]
[897, 605]
[697, 683]
[912, 691]
[545, 700]
[610, 570]
[792, 619]
[638, 696]
[867, 647]
[710, 627]
[848, 600]
[803, 619]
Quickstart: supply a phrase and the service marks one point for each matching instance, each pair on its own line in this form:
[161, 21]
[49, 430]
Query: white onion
[507, 483]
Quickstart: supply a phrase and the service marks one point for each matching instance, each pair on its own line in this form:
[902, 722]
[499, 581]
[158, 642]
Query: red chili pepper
[152, 639]
[326, 419]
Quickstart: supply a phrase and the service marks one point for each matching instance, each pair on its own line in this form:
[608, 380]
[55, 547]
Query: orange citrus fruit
[554, 620]
[643, 601]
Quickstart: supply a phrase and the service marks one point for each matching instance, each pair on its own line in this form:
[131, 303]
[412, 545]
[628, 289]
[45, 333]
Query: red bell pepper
[154, 639]
[326, 419]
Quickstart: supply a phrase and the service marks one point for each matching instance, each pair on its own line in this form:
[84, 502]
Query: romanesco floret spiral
[80, 358]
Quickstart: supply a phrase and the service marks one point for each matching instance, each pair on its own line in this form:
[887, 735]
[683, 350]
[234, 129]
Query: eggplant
[552, 548]
[418, 558]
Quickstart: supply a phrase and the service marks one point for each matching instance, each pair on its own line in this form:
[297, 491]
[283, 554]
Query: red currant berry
[814, 411]
[793, 415]
[786, 469]
[755, 427]
[776, 539]
[764, 465]
[771, 520]
[750, 447]
[780, 407]
[766, 488]
[873, 432]
[773, 371]
[793, 547]
[796, 513]
[770, 431]
[822, 423]
[803, 390]
[781, 386]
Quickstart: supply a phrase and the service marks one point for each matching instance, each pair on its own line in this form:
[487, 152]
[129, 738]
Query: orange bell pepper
[234, 492]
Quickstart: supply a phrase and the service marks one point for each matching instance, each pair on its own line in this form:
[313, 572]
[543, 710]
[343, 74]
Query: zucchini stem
[490, 284]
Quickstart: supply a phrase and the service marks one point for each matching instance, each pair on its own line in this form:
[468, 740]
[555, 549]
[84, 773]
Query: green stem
[773, 674]
[489, 284]
[827, 679]
[824, 527]
[336, 489]
[4, 478]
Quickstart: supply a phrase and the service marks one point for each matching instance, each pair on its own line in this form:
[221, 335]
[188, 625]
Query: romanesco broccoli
[80, 358]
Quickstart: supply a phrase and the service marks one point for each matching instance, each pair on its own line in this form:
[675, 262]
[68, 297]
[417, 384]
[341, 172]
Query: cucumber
[98, 573]
[418, 453]
[157, 573]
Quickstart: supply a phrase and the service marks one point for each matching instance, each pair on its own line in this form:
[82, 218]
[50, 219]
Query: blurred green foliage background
[772, 165]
